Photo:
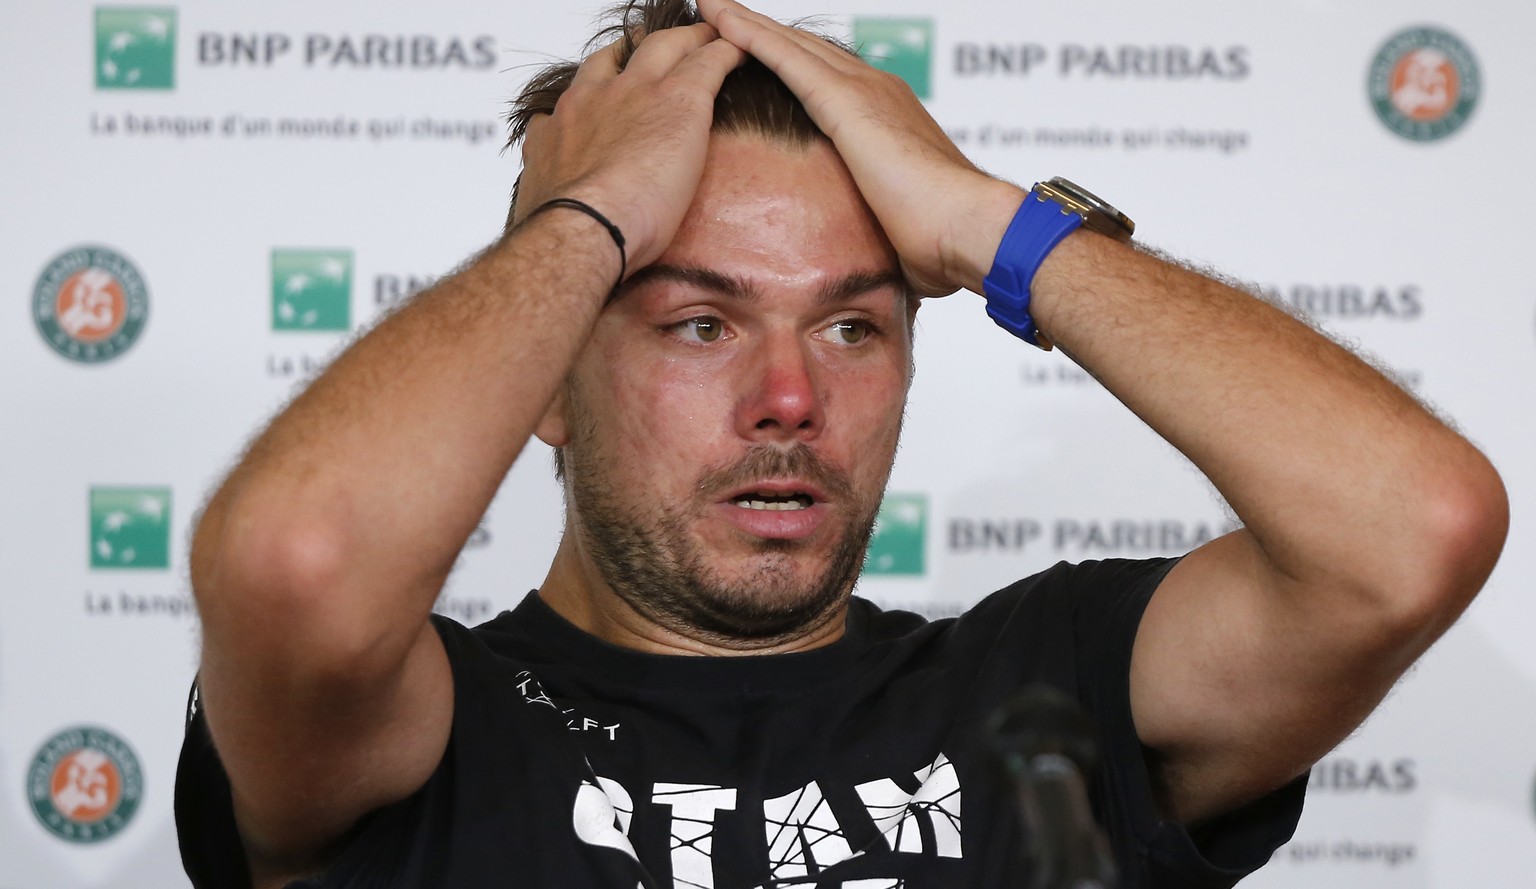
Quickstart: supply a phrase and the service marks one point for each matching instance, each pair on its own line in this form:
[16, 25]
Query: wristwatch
[1051, 211]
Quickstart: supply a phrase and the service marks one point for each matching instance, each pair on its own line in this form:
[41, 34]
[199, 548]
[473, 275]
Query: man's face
[731, 425]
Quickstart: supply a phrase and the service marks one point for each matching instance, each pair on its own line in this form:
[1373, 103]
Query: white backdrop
[271, 170]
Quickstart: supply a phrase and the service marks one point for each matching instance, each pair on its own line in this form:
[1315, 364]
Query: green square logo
[311, 289]
[903, 47]
[901, 536]
[135, 48]
[130, 527]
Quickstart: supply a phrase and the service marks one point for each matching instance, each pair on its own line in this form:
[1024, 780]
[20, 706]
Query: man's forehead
[789, 211]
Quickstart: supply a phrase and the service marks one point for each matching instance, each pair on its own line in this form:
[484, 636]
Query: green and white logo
[90, 304]
[903, 47]
[1424, 84]
[899, 542]
[85, 784]
[135, 48]
[311, 289]
[130, 527]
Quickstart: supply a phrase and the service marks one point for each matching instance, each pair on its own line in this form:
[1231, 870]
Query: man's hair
[752, 101]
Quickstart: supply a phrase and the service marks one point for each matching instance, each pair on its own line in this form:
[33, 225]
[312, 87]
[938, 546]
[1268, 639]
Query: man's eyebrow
[704, 279]
[859, 283]
[832, 292]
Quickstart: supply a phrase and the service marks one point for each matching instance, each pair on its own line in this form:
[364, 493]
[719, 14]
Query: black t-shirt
[862, 764]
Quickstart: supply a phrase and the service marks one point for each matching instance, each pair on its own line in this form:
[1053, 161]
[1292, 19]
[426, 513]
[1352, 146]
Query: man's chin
[771, 608]
[715, 581]
[781, 588]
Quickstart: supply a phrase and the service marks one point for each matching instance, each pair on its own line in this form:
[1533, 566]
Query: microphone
[1045, 742]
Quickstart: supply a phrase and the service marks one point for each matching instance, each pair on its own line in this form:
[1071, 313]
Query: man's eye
[848, 331]
[700, 330]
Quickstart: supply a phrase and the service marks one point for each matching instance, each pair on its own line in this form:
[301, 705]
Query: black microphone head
[1043, 720]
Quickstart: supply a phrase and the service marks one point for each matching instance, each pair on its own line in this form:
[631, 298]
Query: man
[691, 698]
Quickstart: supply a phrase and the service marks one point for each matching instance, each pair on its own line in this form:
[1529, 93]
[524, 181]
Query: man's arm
[1369, 524]
[316, 564]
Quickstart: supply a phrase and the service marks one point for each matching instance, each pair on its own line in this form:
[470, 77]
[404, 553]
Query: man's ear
[552, 429]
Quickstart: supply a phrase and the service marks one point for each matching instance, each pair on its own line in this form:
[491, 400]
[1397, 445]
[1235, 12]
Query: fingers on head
[777, 44]
[602, 64]
[660, 52]
[712, 10]
[711, 63]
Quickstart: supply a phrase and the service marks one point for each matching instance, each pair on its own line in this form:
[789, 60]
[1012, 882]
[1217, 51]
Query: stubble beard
[654, 564]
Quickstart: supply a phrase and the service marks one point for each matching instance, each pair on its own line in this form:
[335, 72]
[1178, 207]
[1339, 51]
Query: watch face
[1098, 214]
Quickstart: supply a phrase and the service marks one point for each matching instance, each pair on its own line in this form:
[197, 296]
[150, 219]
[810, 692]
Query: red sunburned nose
[781, 400]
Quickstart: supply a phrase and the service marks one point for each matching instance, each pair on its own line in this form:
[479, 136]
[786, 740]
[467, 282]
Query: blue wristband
[1036, 229]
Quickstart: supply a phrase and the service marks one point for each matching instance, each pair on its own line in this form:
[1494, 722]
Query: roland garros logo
[1424, 84]
[85, 785]
[90, 304]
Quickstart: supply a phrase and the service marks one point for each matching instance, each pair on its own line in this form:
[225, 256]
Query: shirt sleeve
[211, 851]
[385, 841]
[461, 829]
[1108, 601]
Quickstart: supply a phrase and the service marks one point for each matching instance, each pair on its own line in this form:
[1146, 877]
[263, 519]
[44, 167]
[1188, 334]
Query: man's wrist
[586, 209]
[579, 242]
[1037, 228]
[978, 247]
[1053, 213]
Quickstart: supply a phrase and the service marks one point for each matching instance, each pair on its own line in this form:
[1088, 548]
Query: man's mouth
[769, 501]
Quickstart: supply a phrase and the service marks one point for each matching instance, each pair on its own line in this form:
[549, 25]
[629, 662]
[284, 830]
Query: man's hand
[944, 216]
[632, 143]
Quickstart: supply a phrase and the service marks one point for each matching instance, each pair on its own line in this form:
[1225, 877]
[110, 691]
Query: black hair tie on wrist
[618, 236]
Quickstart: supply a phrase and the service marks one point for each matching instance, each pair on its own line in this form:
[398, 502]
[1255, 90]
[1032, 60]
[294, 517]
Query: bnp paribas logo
[90, 304]
[902, 46]
[85, 784]
[311, 289]
[135, 48]
[130, 527]
[899, 542]
[1424, 83]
